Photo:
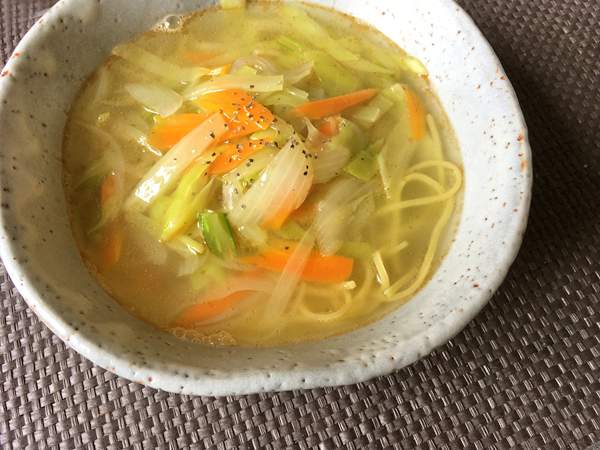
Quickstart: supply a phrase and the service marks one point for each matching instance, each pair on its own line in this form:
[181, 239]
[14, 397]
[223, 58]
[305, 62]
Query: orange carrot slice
[234, 155]
[276, 221]
[330, 126]
[416, 115]
[208, 309]
[318, 268]
[334, 105]
[108, 189]
[198, 58]
[242, 112]
[170, 130]
[111, 246]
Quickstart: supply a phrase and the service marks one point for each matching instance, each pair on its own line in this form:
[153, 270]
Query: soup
[260, 174]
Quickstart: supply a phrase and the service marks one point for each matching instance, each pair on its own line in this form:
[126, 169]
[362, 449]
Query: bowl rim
[118, 364]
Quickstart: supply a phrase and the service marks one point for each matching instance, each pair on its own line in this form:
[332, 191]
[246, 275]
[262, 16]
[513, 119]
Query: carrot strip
[330, 126]
[244, 115]
[416, 115]
[108, 189]
[170, 130]
[198, 58]
[111, 246]
[234, 155]
[276, 221]
[318, 268]
[208, 309]
[334, 105]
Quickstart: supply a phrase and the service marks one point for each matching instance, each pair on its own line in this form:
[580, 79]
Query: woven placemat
[523, 374]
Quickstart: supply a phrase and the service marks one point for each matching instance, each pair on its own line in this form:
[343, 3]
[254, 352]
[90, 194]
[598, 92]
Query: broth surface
[243, 244]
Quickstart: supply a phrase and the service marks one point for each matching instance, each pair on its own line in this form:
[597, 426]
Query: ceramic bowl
[36, 90]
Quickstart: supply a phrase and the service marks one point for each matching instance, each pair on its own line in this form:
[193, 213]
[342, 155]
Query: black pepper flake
[243, 206]
[251, 160]
[212, 135]
[214, 154]
[306, 173]
[251, 86]
[287, 247]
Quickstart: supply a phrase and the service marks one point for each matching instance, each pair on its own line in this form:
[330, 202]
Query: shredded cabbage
[155, 98]
[157, 66]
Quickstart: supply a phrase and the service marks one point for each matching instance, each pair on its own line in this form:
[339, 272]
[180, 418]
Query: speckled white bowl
[65, 46]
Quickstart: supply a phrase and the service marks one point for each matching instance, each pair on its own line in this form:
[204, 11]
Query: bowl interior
[40, 82]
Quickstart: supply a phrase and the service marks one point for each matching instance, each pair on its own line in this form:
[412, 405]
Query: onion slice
[281, 188]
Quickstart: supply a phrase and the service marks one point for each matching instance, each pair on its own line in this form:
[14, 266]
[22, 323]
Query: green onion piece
[268, 135]
[218, 234]
[364, 165]
[350, 136]
[290, 44]
[367, 115]
[189, 198]
[159, 208]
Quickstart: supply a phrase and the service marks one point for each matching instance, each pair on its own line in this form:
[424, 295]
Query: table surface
[523, 374]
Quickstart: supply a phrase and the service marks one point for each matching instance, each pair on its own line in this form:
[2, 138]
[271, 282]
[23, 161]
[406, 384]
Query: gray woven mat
[523, 374]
